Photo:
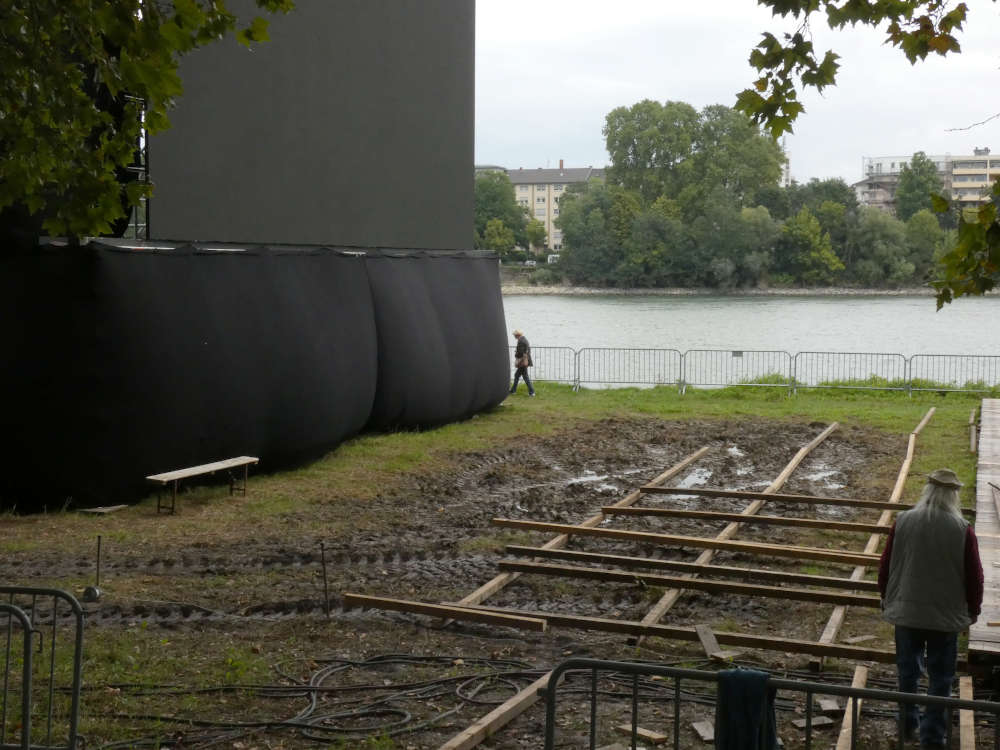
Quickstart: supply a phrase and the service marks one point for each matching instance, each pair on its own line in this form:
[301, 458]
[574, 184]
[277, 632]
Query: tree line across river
[692, 199]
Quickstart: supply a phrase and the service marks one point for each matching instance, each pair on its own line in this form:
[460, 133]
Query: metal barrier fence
[806, 689]
[40, 702]
[713, 368]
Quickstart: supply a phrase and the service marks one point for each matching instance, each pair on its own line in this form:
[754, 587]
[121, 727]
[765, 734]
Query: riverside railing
[714, 368]
[891, 701]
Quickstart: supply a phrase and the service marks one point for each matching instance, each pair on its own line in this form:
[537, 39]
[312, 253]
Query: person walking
[930, 578]
[522, 361]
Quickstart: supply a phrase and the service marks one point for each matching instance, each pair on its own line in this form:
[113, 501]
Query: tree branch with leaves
[917, 28]
[81, 80]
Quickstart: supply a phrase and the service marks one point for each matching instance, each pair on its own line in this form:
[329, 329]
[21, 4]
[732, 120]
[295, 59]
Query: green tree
[881, 253]
[591, 252]
[78, 76]
[918, 28]
[535, 232]
[650, 147]
[497, 237]
[803, 251]
[918, 180]
[925, 241]
[731, 154]
[494, 199]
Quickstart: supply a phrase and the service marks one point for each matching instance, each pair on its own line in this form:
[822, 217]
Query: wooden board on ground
[653, 738]
[104, 509]
[705, 730]
[711, 645]
[818, 722]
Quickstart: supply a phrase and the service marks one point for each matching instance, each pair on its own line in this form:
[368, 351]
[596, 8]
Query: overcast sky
[548, 71]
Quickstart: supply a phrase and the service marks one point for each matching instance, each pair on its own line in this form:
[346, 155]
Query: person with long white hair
[931, 581]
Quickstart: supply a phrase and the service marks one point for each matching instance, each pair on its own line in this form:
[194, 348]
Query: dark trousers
[522, 372]
[937, 650]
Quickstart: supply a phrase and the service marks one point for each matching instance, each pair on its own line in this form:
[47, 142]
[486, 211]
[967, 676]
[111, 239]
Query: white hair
[938, 499]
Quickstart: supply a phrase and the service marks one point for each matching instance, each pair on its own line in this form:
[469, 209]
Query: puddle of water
[823, 476]
[588, 476]
[697, 476]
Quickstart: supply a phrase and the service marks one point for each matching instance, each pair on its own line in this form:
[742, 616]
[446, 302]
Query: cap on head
[518, 332]
[944, 478]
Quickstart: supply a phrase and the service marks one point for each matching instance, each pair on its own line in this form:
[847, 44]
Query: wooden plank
[193, 471]
[818, 722]
[966, 718]
[705, 730]
[790, 499]
[694, 584]
[839, 614]
[683, 633]
[711, 645]
[709, 515]
[972, 431]
[444, 610]
[719, 571]
[498, 582]
[754, 548]
[648, 735]
[104, 509]
[499, 717]
[847, 728]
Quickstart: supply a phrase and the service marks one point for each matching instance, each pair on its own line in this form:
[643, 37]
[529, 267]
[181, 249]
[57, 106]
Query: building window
[523, 202]
[523, 188]
[540, 199]
[555, 211]
[540, 212]
[541, 188]
[557, 187]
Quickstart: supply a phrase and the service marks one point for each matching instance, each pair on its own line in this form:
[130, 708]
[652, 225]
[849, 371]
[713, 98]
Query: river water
[904, 325]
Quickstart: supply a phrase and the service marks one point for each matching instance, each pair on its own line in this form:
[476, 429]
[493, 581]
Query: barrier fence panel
[954, 372]
[629, 366]
[868, 370]
[662, 684]
[41, 689]
[716, 367]
[556, 363]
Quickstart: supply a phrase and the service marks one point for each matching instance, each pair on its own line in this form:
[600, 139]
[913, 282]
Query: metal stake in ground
[93, 593]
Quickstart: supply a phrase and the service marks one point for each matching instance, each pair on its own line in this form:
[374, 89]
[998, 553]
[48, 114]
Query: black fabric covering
[122, 363]
[441, 340]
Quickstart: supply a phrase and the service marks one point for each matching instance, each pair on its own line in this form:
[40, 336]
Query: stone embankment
[511, 289]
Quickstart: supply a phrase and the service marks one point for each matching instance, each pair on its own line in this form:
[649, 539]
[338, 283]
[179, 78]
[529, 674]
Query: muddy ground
[430, 538]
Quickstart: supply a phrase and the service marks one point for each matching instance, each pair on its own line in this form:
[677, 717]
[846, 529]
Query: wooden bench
[173, 477]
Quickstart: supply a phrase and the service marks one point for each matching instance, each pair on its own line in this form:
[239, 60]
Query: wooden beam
[668, 599]
[506, 712]
[972, 431]
[498, 582]
[719, 571]
[839, 613]
[709, 515]
[848, 728]
[681, 633]
[445, 610]
[790, 499]
[966, 718]
[673, 540]
[711, 646]
[694, 584]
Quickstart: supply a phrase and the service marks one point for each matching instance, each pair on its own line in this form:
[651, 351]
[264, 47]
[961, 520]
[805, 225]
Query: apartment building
[539, 190]
[965, 179]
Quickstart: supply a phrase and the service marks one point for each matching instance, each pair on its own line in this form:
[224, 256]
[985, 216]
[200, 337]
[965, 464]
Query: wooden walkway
[984, 639]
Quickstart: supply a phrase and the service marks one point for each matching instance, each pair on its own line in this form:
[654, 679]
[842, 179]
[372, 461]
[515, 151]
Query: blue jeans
[522, 372]
[941, 650]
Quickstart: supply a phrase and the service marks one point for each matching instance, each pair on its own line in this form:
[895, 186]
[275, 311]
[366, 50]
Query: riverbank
[509, 289]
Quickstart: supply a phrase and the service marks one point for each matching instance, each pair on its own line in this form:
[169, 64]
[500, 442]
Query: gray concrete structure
[352, 126]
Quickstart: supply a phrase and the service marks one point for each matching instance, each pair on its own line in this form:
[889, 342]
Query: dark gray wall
[352, 126]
